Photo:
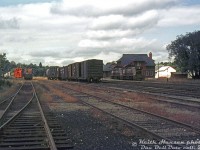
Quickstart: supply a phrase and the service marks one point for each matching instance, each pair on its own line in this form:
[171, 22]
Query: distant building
[164, 72]
[107, 69]
[7, 75]
[134, 64]
[179, 75]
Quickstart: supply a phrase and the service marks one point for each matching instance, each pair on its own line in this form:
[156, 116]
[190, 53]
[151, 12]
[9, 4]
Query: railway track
[4, 104]
[187, 90]
[172, 85]
[24, 125]
[156, 126]
[191, 103]
[178, 100]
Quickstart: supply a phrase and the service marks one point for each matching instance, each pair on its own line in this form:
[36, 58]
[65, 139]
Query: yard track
[187, 102]
[183, 100]
[4, 104]
[24, 125]
[175, 89]
[156, 126]
[158, 96]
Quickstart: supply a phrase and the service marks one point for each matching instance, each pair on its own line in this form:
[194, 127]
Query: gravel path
[89, 128]
[90, 133]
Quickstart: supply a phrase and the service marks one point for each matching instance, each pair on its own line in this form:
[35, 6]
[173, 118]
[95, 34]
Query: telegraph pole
[158, 70]
[167, 74]
[0, 69]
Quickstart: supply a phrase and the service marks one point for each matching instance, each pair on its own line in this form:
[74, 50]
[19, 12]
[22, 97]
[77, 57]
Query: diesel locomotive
[26, 73]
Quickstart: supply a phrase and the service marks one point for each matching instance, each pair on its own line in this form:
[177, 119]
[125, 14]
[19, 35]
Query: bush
[2, 82]
[5, 83]
[8, 83]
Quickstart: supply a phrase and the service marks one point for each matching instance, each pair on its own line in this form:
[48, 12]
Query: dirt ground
[140, 101]
[6, 90]
[90, 128]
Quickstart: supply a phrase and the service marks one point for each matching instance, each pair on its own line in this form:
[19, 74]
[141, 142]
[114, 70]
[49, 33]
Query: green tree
[3, 60]
[186, 53]
[4, 64]
[40, 65]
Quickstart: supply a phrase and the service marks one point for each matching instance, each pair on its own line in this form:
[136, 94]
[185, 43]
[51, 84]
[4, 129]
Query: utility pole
[0, 71]
[167, 74]
[158, 70]
[0, 74]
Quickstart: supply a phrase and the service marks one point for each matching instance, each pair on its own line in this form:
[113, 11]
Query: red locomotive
[26, 73]
[18, 73]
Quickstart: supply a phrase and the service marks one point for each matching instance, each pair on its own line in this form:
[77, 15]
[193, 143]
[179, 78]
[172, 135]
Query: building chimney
[150, 55]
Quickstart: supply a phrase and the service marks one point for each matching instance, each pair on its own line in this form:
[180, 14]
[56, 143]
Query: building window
[151, 73]
[123, 71]
[138, 64]
[147, 73]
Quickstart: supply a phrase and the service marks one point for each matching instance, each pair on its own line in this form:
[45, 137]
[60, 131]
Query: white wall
[164, 72]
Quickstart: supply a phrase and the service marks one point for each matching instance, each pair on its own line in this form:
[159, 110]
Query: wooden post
[158, 70]
[0, 74]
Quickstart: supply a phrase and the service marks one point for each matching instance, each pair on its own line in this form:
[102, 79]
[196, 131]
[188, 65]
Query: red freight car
[18, 73]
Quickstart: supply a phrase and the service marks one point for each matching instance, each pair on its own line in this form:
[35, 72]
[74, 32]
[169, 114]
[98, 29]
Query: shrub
[2, 82]
[8, 83]
[5, 83]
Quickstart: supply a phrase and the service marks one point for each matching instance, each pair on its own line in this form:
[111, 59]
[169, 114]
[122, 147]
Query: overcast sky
[60, 32]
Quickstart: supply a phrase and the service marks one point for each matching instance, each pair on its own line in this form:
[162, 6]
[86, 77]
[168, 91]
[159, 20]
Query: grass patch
[5, 83]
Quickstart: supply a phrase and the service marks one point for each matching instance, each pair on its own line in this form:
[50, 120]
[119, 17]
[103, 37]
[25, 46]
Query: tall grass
[5, 83]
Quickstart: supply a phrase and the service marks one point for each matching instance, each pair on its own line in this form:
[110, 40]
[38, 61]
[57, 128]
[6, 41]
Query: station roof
[128, 58]
[166, 68]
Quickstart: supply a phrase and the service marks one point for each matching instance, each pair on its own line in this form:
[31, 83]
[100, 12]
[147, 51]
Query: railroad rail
[4, 104]
[175, 85]
[24, 125]
[157, 126]
[191, 103]
[178, 100]
[188, 90]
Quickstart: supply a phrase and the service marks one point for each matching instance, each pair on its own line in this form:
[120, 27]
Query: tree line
[185, 51]
[9, 66]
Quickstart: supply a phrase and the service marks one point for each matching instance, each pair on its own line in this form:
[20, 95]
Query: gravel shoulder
[87, 127]
[6, 91]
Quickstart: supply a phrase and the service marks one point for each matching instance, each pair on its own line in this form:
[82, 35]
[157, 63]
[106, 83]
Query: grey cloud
[107, 35]
[34, 61]
[127, 10]
[43, 53]
[9, 23]
[64, 57]
[133, 8]
[105, 30]
[80, 11]
[131, 18]
[19, 39]
[125, 24]
[159, 54]
[118, 45]
[58, 53]
[109, 26]
[67, 62]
